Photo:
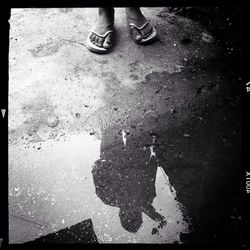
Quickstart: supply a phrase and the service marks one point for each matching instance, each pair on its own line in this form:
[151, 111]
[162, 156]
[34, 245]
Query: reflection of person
[123, 180]
[101, 35]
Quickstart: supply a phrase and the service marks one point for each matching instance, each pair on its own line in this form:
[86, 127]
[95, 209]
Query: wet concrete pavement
[144, 141]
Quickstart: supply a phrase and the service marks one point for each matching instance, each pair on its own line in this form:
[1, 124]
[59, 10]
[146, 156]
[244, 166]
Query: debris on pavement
[207, 38]
[52, 121]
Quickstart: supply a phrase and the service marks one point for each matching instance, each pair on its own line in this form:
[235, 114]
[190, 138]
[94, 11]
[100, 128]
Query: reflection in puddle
[137, 194]
[124, 137]
[152, 153]
[54, 185]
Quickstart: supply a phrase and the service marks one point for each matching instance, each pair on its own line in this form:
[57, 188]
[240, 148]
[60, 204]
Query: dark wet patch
[185, 151]
[193, 176]
[186, 41]
[161, 93]
[224, 23]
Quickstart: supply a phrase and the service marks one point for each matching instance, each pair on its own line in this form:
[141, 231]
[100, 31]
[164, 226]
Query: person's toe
[100, 41]
[147, 31]
[108, 41]
[136, 34]
[150, 30]
[96, 40]
[92, 37]
[143, 33]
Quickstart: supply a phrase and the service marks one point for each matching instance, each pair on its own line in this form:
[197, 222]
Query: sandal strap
[103, 36]
[139, 28]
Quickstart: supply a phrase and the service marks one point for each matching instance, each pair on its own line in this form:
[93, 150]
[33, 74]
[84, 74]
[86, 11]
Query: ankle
[105, 17]
[106, 12]
[133, 12]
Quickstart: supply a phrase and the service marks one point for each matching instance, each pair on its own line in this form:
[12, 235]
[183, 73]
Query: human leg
[100, 37]
[140, 28]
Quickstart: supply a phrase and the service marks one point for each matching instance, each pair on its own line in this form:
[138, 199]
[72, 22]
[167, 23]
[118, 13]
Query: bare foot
[135, 16]
[104, 23]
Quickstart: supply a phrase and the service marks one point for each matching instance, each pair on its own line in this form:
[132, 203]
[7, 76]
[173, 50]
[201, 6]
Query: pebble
[52, 121]
[173, 110]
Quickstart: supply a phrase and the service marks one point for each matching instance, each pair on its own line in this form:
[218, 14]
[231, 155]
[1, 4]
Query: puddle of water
[64, 172]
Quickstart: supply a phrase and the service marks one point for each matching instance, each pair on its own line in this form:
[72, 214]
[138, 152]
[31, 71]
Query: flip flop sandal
[94, 48]
[146, 40]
